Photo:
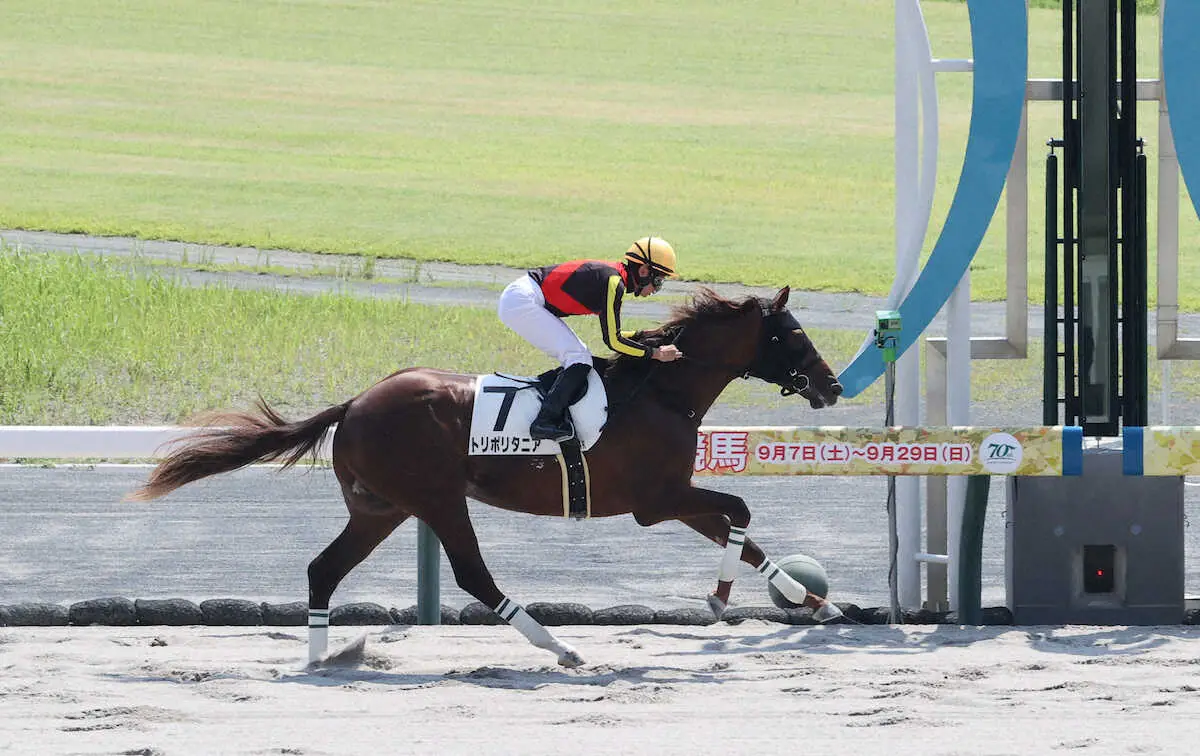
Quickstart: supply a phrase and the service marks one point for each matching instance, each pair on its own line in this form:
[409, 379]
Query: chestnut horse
[400, 451]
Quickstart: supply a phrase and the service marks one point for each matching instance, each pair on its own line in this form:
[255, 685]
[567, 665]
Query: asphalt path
[250, 534]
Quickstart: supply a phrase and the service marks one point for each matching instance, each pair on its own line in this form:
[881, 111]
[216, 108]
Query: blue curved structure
[1000, 38]
[1181, 82]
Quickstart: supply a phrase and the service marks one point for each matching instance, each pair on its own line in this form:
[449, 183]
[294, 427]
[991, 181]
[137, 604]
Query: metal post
[1135, 379]
[937, 596]
[910, 59]
[1050, 321]
[887, 334]
[429, 583]
[1135, 384]
[958, 409]
[1097, 217]
[970, 565]
[895, 615]
[1072, 414]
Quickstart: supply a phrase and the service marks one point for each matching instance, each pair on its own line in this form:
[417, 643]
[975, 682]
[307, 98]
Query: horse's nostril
[837, 389]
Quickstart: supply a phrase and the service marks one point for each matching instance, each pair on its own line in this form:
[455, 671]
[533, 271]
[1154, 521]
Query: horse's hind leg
[452, 524]
[371, 521]
[729, 510]
[716, 529]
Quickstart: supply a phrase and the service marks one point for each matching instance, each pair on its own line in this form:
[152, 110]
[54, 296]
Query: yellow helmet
[656, 253]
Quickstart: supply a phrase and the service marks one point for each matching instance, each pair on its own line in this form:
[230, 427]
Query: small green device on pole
[887, 333]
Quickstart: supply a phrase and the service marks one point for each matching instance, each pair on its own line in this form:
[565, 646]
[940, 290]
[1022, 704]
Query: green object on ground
[804, 570]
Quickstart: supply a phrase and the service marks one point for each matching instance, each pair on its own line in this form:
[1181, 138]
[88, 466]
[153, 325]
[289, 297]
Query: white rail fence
[94, 442]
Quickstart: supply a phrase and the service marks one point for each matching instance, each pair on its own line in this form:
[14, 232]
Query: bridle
[757, 367]
[789, 382]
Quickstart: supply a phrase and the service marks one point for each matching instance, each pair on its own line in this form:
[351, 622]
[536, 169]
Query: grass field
[87, 341]
[93, 342]
[757, 137]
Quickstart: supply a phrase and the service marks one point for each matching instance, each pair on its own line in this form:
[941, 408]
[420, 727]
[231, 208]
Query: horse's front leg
[716, 529]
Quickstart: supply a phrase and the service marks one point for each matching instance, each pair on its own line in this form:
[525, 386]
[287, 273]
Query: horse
[400, 450]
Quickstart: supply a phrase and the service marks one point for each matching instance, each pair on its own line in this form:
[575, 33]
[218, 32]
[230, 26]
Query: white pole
[958, 412]
[910, 47]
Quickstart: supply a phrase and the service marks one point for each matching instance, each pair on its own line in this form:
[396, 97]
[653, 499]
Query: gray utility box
[1101, 548]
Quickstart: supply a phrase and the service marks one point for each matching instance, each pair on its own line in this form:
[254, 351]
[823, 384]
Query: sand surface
[753, 688]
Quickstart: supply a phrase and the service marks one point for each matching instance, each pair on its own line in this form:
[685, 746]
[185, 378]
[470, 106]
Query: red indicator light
[1099, 568]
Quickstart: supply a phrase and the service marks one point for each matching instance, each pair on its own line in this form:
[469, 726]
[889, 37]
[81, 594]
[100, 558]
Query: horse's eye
[774, 339]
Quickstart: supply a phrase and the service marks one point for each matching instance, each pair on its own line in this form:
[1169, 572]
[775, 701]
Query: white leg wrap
[515, 615]
[733, 553]
[318, 633]
[783, 582]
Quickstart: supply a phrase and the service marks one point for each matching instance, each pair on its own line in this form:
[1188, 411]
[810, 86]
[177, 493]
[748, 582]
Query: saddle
[505, 406]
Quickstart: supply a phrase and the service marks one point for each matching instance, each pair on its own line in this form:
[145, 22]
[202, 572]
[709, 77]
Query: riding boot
[553, 422]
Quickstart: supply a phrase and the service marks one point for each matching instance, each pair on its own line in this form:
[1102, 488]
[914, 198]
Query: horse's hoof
[352, 654]
[571, 659]
[717, 605]
[826, 612]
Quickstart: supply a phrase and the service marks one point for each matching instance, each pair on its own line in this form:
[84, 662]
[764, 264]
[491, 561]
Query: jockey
[535, 304]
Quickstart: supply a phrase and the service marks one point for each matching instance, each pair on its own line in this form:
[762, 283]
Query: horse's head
[727, 339]
[786, 357]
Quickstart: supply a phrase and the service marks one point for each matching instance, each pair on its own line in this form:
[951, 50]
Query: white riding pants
[523, 308]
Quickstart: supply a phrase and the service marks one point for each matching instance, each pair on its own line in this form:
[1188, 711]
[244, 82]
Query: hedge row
[120, 611]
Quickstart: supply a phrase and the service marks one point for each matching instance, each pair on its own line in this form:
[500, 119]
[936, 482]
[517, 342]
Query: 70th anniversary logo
[1001, 453]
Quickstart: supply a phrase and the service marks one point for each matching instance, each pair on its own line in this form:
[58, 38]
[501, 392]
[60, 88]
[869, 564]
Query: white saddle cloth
[506, 407]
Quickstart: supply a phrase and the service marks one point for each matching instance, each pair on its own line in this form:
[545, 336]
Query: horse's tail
[234, 440]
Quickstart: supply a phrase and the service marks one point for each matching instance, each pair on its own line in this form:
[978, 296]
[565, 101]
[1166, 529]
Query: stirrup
[557, 432]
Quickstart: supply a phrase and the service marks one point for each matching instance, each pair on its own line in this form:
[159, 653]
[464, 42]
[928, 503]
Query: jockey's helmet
[656, 253]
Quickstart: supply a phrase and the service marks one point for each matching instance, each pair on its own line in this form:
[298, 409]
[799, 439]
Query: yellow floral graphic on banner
[1171, 450]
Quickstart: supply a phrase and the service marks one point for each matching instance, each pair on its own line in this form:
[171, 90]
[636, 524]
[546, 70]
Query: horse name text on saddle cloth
[505, 408]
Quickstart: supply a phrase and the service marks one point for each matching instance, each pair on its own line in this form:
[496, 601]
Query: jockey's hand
[666, 353]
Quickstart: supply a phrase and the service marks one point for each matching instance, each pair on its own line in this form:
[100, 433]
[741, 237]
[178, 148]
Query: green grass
[94, 341]
[757, 138]
[99, 341]
[1143, 6]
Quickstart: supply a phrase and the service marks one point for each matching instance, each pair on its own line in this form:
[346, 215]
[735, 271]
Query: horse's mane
[705, 306]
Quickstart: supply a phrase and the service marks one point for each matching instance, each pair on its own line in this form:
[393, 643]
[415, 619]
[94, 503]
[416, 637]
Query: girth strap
[577, 488]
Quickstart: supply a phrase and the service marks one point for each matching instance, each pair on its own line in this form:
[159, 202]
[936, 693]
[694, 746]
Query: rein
[795, 375]
[742, 372]
[637, 389]
[688, 412]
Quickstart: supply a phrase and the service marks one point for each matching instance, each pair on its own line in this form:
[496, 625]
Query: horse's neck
[694, 389]
[702, 382]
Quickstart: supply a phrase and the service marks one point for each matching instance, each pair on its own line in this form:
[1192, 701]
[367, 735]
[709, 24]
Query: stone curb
[230, 612]
[118, 611]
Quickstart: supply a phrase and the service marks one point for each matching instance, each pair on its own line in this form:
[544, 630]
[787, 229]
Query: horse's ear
[781, 298]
